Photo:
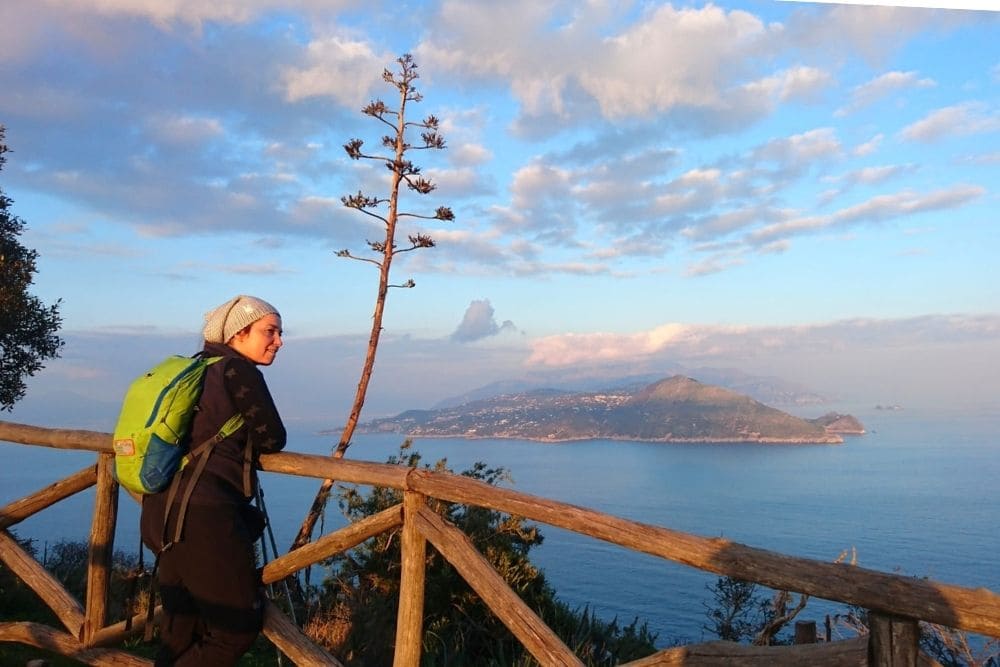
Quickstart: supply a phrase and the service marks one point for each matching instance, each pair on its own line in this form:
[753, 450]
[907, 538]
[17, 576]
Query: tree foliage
[19, 602]
[359, 597]
[739, 614]
[955, 648]
[27, 326]
[736, 612]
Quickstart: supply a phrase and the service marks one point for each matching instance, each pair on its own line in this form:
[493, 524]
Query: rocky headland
[675, 409]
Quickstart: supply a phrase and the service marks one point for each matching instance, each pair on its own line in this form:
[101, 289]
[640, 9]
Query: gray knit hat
[231, 317]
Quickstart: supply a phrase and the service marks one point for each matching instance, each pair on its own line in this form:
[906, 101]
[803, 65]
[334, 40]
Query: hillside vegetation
[675, 409]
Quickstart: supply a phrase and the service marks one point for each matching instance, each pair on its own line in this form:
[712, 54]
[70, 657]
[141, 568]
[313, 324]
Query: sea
[916, 495]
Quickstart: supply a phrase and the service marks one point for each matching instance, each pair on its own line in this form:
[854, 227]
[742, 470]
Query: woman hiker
[209, 584]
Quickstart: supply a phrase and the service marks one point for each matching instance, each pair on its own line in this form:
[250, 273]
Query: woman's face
[260, 342]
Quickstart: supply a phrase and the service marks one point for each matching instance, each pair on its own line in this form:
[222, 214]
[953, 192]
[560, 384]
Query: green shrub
[358, 599]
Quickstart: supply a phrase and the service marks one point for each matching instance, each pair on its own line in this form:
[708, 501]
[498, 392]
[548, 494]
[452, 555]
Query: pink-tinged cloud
[882, 86]
[876, 209]
[958, 120]
[566, 349]
[743, 344]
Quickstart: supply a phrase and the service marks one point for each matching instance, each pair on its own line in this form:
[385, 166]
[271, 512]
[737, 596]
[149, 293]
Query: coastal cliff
[835, 422]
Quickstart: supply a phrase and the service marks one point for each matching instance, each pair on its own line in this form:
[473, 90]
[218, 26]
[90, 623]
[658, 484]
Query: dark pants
[209, 585]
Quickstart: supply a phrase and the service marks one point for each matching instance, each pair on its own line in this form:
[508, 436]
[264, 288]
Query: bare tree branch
[347, 254]
[403, 170]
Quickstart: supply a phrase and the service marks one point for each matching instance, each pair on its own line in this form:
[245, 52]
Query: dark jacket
[233, 384]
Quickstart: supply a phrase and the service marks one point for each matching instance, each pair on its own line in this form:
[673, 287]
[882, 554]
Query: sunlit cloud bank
[933, 362]
[607, 163]
[937, 361]
[699, 343]
[248, 148]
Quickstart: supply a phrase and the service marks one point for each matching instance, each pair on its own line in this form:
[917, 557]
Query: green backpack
[156, 418]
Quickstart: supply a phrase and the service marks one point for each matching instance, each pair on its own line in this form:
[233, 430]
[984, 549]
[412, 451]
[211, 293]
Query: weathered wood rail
[896, 603]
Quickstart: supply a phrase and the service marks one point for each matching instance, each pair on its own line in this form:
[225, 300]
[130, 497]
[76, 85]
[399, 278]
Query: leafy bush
[19, 602]
[736, 613]
[739, 614]
[954, 648]
[358, 599]
[67, 561]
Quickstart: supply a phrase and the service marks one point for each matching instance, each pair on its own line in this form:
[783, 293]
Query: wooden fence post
[410, 619]
[290, 640]
[66, 607]
[102, 546]
[457, 548]
[893, 641]
[805, 632]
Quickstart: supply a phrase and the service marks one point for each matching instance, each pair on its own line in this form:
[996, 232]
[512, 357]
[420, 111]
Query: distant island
[675, 409]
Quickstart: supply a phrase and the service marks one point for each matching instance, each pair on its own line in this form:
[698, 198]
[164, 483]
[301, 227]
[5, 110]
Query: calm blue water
[916, 495]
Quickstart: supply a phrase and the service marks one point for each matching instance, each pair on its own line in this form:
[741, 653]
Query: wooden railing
[896, 603]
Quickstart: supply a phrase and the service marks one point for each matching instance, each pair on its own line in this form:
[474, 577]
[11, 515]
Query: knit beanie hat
[231, 317]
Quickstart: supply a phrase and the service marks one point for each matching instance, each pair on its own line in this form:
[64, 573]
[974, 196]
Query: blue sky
[793, 189]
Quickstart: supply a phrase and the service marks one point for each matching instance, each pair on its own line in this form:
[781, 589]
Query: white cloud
[875, 175]
[474, 252]
[721, 224]
[568, 66]
[872, 175]
[957, 120]
[191, 12]
[876, 209]
[714, 264]
[674, 57]
[976, 5]
[872, 31]
[181, 130]
[344, 69]
[537, 181]
[984, 159]
[884, 207]
[883, 85]
[470, 154]
[804, 83]
[707, 343]
[799, 150]
[266, 269]
[798, 83]
[458, 183]
[696, 189]
[235, 132]
[870, 146]
[479, 322]
[568, 349]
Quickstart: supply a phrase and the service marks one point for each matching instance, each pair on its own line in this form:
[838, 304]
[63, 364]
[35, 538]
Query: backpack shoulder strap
[201, 452]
